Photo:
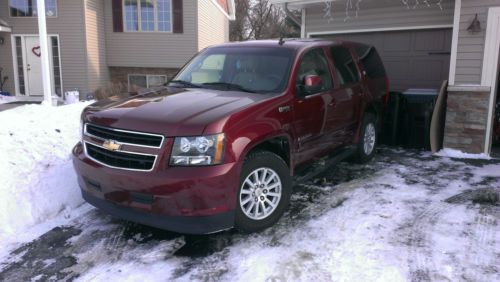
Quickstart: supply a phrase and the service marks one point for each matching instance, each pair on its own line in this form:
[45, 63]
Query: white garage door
[413, 59]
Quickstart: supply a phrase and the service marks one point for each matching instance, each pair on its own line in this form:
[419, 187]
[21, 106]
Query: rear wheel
[367, 140]
[264, 191]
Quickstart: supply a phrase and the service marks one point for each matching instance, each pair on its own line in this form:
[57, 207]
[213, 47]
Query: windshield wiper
[230, 86]
[185, 83]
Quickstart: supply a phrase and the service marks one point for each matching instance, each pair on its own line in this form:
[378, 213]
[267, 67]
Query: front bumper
[192, 200]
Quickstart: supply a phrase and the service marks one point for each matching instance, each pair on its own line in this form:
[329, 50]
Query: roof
[289, 43]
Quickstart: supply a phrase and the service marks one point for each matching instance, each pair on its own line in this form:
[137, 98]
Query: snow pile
[38, 181]
[452, 153]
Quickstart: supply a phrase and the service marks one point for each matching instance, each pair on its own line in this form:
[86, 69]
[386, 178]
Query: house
[423, 43]
[92, 42]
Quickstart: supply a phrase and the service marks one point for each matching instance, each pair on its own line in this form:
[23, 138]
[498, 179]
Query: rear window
[371, 62]
[344, 64]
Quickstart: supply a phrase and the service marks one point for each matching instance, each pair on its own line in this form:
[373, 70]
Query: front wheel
[264, 191]
[367, 140]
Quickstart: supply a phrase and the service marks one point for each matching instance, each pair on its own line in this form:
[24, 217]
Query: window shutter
[177, 13]
[116, 6]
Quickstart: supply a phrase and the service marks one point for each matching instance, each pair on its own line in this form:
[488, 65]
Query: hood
[170, 111]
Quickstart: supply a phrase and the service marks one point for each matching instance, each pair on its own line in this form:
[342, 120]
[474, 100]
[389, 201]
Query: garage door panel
[397, 69]
[412, 58]
[397, 42]
[431, 41]
[430, 70]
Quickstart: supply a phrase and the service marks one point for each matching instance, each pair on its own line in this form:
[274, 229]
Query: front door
[33, 66]
[310, 108]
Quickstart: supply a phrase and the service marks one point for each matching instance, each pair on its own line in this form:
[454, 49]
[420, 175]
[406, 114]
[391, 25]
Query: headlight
[198, 151]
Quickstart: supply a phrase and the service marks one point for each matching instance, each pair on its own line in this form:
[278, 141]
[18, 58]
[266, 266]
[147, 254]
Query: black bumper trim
[179, 224]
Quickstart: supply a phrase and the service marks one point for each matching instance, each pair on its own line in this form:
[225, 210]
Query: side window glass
[344, 64]
[371, 62]
[314, 63]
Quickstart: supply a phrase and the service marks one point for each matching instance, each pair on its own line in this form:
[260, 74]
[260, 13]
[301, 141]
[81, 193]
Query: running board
[318, 167]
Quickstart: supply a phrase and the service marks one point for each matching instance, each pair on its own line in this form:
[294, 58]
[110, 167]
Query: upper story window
[147, 15]
[28, 8]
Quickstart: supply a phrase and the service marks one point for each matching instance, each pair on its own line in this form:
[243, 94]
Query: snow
[7, 99]
[452, 153]
[38, 182]
[406, 215]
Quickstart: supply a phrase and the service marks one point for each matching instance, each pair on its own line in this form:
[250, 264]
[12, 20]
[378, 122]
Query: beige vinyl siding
[213, 25]
[69, 25]
[97, 70]
[378, 16]
[470, 46]
[151, 49]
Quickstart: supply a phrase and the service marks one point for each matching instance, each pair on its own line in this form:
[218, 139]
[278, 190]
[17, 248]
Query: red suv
[217, 146]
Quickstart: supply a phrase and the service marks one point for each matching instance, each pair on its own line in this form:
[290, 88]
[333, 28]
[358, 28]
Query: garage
[412, 58]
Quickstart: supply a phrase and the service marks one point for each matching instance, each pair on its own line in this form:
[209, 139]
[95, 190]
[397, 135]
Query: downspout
[294, 19]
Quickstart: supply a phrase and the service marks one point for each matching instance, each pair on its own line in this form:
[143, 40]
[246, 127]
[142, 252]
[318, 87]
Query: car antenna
[281, 41]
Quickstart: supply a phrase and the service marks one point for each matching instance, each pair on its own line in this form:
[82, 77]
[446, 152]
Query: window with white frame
[28, 8]
[147, 15]
[139, 81]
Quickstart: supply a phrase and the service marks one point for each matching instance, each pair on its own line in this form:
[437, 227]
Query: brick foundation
[466, 121]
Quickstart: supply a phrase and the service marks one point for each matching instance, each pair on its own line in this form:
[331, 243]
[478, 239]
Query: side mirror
[312, 83]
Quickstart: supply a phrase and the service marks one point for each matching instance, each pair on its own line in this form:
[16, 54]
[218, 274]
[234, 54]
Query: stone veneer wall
[120, 74]
[466, 121]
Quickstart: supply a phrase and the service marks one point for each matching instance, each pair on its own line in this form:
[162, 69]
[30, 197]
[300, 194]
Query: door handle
[28, 67]
[284, 109]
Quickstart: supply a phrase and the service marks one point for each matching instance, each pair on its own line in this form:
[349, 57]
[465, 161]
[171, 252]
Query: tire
[274, 197]
[367, 139]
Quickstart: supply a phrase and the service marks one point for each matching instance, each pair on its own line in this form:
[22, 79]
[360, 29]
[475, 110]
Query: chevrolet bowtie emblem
[112, 145]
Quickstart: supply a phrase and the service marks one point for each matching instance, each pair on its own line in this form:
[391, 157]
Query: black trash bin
[390, 125]
[416, 114]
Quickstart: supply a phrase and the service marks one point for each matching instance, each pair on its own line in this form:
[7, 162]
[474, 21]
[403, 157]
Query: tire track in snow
[482, 244]
[420, 259]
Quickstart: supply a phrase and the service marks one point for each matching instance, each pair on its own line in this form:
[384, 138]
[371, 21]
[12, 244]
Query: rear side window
[344, 64]
[371, 62]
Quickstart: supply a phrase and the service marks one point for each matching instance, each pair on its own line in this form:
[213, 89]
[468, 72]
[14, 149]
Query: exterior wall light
[475, 25]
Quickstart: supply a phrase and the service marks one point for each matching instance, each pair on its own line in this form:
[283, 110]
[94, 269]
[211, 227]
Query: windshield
[251, 69]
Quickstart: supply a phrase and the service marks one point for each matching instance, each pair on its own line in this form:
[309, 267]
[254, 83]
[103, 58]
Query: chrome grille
[120, 159]
[124, 136]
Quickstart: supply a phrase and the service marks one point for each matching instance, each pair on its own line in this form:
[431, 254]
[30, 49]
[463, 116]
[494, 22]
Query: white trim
[230, 16]
[491, 68]
[454, 42]
[24, 56]
[309, 34]
[303, 24]
[5, 29]
[468, 88]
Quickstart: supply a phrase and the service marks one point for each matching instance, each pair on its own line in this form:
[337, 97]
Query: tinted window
[344, 64]
[314, 63]
[371, 62]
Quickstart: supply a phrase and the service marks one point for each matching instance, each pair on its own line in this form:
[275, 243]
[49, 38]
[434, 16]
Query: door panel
[310, 107]
[33, 66]
[308, 126]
